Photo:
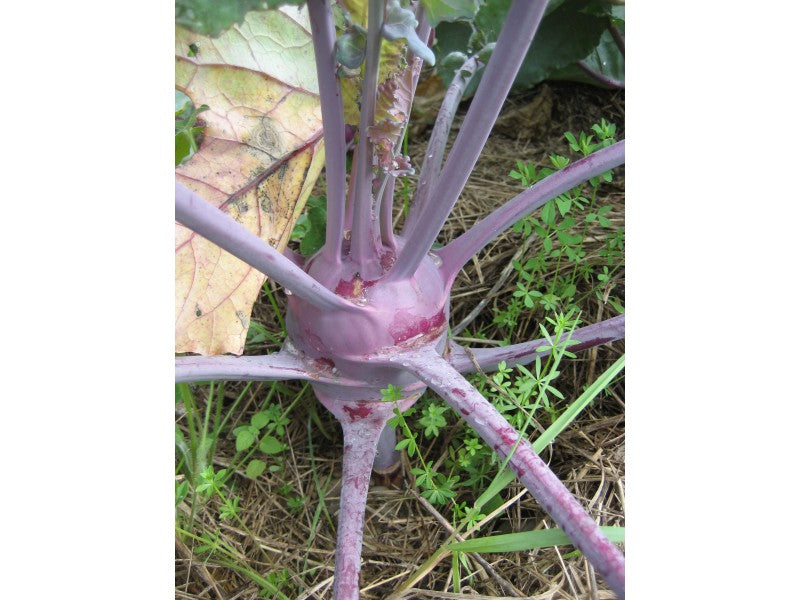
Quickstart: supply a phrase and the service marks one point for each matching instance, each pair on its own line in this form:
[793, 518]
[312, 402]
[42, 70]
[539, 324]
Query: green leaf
[454, 62]
[255, 468]
[212, 17]
[182, 103]
[270, 445]
[350, 48]
[187, 135]
[259, 420]
[549, 213]
[528, 540]
[400, 23]
[437, 11]
[183, 147]
[617, 306]
[314, 237]
[605, 59]
[181, 490]
[566, 35]
[244, 439]
[578, 405]
[564, 204]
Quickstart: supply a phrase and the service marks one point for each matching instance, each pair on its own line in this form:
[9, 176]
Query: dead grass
[401, 530]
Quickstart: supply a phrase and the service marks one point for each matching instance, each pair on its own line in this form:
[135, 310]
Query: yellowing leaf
[260, 156]
[392, 60]
[358, 11]
[392, 110]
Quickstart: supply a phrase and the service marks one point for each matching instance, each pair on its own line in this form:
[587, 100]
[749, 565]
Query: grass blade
[528, 540]
[578, 405]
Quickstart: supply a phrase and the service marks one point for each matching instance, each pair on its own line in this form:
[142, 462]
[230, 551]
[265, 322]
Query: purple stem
[295, 258]
[431, 164]
[201, 217]
[455, 254]
[600, 78]
[386, 206]
[362, 423]
[531, 470]
[424, 33]
[387, 459]
[609, 330]
[620, 41]
[423, 30]
[272, 367]
[512, 44]
[351, 195]
[362, 247]
[322, 31]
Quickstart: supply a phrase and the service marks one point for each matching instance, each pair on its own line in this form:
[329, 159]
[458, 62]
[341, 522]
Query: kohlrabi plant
[368, 313]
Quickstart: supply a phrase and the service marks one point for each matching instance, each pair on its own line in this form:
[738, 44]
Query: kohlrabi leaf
[400, 23]
[392, 62]
[606, 59]
[212, 17]
[392, 109]
[350, 48]
[566, 35]
[449, 10]
[259, 158]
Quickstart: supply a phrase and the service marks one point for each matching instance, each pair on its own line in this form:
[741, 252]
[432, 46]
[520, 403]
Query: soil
[402, 532]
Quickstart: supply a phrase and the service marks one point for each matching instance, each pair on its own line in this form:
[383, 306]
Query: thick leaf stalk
[330, 94]
[387, 460]
[600, 78]
[468, 360]
[456, 254]
[432, 163]
[523, 19]
[363, 241]
[531, 470]
[198, 215]
[362, 423]
[279, 366]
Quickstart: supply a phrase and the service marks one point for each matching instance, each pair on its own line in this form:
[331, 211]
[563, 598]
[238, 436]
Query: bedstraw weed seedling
[561, 230]
[523, 396]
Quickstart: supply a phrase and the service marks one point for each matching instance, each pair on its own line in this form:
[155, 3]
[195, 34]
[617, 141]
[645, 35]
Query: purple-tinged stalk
[617, 36]
[388, 458]
[467, 360]
[385, 199]
[362, 423]
[362, 247]
[600, 78]
[423, 30]
[431, 164]
[456, 254]
[531, 470]
[272, 367]
[330, 95]
[520, 26]
[214, 225]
